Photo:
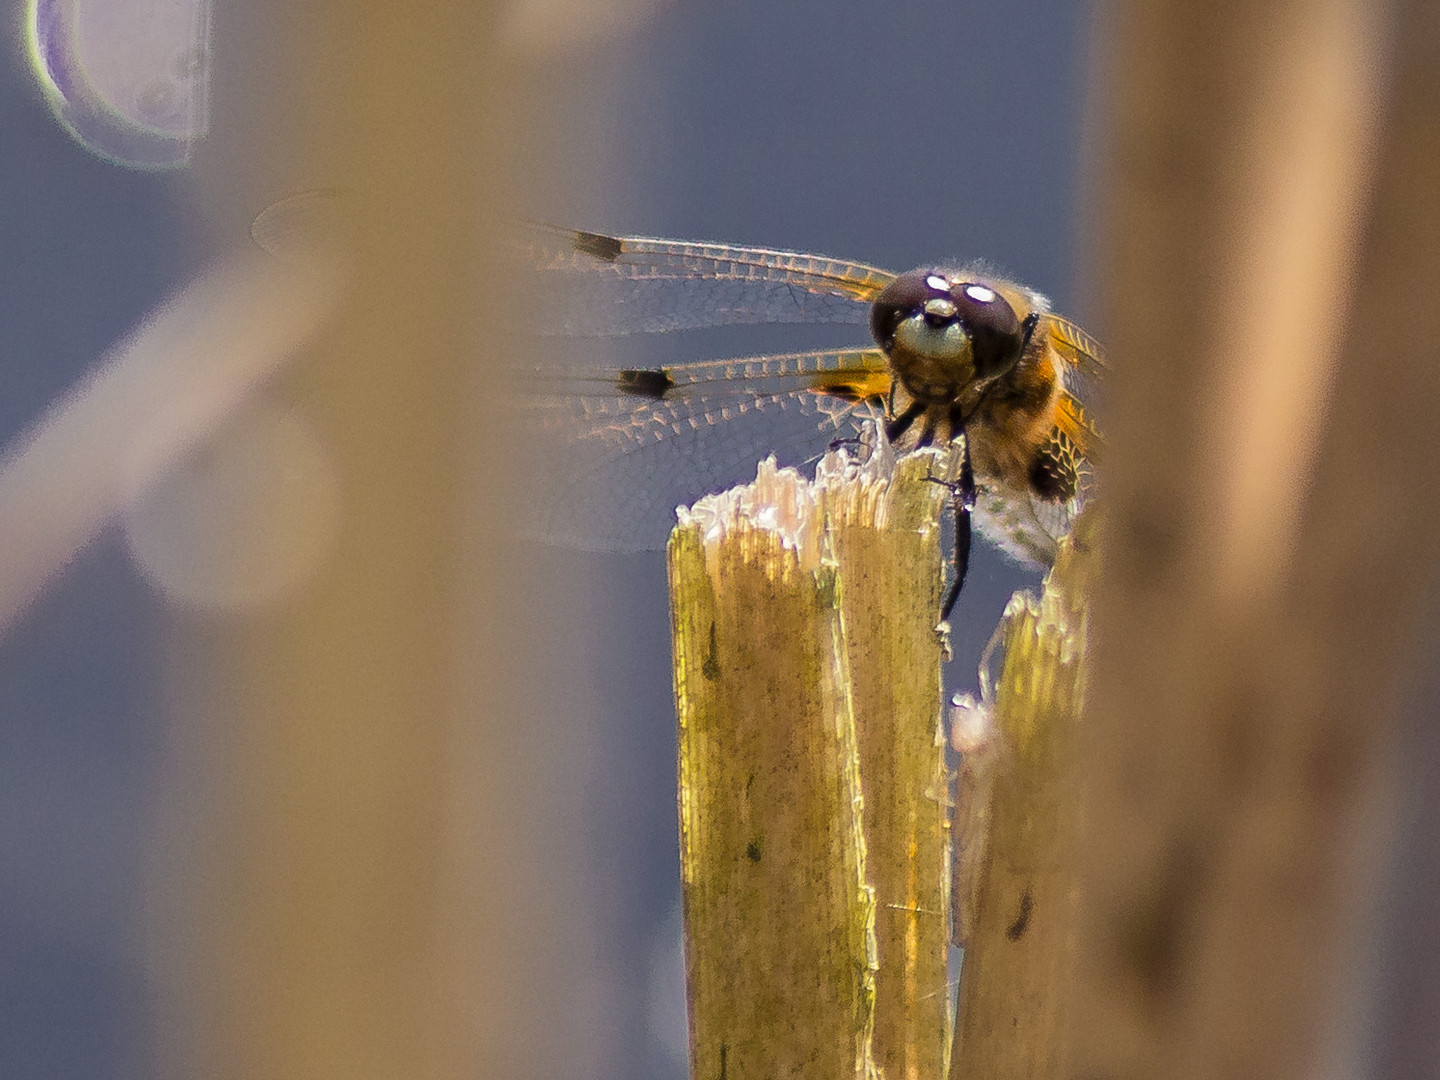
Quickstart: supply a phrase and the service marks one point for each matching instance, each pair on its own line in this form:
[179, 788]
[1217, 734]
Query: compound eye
[994, 329]
[902, 299]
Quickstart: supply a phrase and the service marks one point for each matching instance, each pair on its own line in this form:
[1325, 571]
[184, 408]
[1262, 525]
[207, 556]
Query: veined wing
[615, 455]
[600, 285]
[1027, 527]
[589, 284]
[1076, 347]
[1084, 366]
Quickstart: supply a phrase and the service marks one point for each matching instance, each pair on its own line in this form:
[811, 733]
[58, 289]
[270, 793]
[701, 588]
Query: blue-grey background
[898, 134]
[85, 249]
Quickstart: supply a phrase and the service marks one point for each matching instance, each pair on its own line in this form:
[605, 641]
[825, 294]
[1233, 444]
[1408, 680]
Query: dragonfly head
[955, 329]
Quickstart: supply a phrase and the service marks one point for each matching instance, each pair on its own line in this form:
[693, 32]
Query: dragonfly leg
[1027, 331]
[962, 499]
[901, 424]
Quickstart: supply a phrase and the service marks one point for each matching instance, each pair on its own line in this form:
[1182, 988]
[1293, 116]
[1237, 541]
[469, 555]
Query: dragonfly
[957, 354]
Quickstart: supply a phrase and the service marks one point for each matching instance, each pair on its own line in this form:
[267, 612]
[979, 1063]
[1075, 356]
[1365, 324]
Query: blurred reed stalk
[1271, 264]
[357, 898]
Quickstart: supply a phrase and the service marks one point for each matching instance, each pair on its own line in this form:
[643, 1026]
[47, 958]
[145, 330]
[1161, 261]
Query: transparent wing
[1027, 529]
[616, 451]
[1078, 348]
[612, 466]
[1082, 367]
[599, 285]
[588, 284]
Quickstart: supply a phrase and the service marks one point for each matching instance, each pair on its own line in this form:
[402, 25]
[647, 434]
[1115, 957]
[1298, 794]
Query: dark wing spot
[596, 245]
[752, 851]
[853, 387]
[645, 382]
[1016, 930]
[843, 391]
[1055, 472]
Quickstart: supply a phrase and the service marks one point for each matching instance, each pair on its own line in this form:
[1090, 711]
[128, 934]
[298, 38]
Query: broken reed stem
[807, 676]
[1015, 873]
[894, 579]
